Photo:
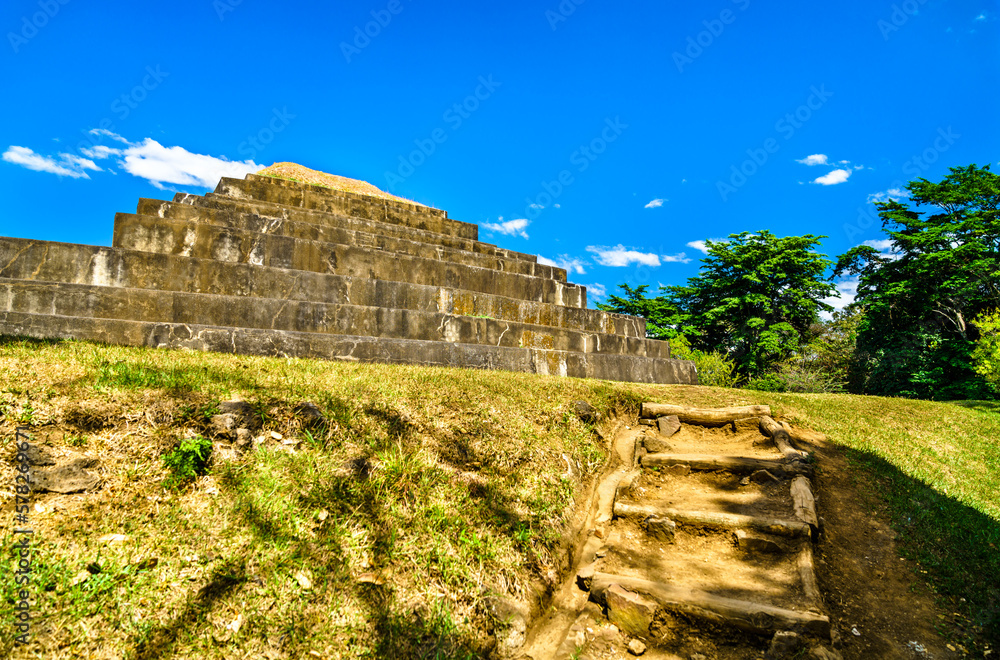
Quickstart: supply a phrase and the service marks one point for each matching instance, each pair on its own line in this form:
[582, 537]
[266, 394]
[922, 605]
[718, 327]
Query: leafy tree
[916, 338]
[825, 363]
[752, 303]
[755, 298]
[986, 356]
[660, 314]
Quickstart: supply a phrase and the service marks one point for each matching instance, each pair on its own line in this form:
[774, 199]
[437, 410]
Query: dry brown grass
[295, 172]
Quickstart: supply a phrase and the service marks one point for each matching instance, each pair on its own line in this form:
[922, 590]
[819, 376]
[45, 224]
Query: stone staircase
[269, 266]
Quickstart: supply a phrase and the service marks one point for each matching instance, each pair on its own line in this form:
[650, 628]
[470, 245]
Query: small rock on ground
[586, 412]
[635, 647]
[668, 426]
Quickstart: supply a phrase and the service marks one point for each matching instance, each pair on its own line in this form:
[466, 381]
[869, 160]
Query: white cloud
[148, 160]
[65, 165]
[884, 196]
[847, 291]
[509, 228]
[680, 257]
[535, 206]
[981, 17]
[702, 246]
[620, 256]
[881, 246]
[558, 206]
[833, 178]
[815, 159]
[596, 291]
[655, 204]
[157, 164]
[567, 263]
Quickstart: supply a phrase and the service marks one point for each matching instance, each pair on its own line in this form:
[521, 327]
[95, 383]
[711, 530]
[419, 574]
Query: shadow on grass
[159, 641]
[958, 546]
[12, 340]
[980, 405]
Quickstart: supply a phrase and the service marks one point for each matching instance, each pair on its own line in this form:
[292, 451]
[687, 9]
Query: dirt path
[716, 542]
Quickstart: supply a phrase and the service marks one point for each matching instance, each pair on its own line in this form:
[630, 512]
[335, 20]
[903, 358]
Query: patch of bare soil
[664, 595]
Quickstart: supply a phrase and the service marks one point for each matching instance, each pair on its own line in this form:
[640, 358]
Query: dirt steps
[706, 551]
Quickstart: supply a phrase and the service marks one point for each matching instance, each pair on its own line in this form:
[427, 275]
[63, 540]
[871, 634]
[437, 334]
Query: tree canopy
[753, 300]
[943, 270]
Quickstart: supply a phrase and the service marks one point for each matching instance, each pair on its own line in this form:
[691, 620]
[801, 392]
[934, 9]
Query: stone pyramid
[271, 266]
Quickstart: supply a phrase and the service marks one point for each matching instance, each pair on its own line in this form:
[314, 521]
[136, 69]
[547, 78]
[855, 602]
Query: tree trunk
[703, 416]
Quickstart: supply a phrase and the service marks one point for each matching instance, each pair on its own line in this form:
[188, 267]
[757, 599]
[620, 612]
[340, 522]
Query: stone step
[252, 341]
[207, 240]
[343, 194]
[149, 305]
[277, 191]
[84, 264]
[265, 217]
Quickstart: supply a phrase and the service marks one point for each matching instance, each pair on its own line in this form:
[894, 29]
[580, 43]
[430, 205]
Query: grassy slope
[428, 491]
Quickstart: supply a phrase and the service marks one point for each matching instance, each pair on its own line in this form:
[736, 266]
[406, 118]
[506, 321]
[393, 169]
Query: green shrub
[767, 383]
[187, 461]
[986, 356]
[714, 369]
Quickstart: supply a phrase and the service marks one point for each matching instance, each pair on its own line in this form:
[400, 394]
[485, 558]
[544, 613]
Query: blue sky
[611, 138]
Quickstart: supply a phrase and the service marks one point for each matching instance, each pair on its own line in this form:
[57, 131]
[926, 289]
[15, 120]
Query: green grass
[426, 492]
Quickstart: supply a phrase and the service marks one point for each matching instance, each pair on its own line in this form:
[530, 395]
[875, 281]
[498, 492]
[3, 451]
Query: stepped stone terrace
[272, 266]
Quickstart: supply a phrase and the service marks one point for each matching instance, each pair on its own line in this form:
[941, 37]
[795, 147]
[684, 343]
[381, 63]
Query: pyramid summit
[299, 263]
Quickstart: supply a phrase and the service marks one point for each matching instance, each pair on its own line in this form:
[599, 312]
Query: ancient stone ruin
[270, 266]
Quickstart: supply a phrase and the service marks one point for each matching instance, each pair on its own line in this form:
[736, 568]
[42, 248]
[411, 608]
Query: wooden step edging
[716, 520]
[748, 616]
[734, 464]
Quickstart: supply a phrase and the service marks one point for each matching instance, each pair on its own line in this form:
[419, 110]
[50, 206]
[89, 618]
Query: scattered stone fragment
[586, 412]
[223, 426]
[244, 438]
[585, 577]
[763, 477]
[276, 436]
[310, 415]
[636, 647]
[631, 612]
[823, 653]
[512, 623]
[698, 656]
[243, 413]
[784, 644]
[647, 422]
[661, 529]
[680, 470]
[745, 481]
[668, 425]
[36, 455]
[68, 478]
[655, 444]
[753, 543]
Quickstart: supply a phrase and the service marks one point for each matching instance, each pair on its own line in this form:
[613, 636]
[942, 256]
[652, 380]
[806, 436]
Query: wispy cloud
[702, 246]
[567, 263]
[982, 17]
[885, 195]
[679, 258]
[621, 256]
[847, 291]
[596, 291]
[62, 165]
[815, 159]
[655, 204]
[509, 228]
[160, 165]
[833, 178]
[148, 160]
